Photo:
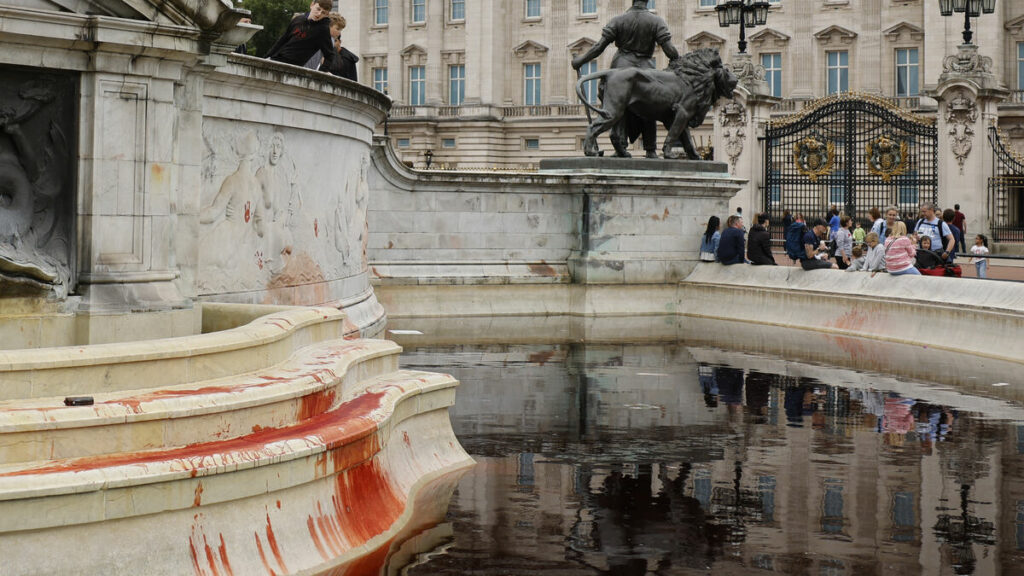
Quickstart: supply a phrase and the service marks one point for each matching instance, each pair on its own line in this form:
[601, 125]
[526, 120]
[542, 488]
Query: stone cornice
[895, 32]
[835, 34]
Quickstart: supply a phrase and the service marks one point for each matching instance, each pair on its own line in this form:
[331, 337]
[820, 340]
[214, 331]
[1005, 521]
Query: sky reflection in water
[631, 460]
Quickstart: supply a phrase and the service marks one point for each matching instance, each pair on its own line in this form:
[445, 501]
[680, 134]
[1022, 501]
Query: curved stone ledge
[335, 495]
[981, 317]
[94, 369]
[309, 383]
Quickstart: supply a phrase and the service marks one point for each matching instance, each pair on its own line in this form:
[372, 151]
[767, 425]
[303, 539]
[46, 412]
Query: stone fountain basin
[283, 427]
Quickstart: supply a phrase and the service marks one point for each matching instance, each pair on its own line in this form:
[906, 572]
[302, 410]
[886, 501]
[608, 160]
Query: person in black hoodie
[306, 34]
[344, 63]
[759, 245]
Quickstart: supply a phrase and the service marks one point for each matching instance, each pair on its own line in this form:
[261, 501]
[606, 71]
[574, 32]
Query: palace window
[417, 85]
[708, 3]
[531, 143]
[773, 72]
[906, 72]
[457, 84]
[448, 143]
[380, 80]
[531, 84]
[590, 88]
[650, 5]
[838, 72]
[380, 12]
[588, 6]
[419, 11]
[458, 9]
[533, 8]
[1020, 66]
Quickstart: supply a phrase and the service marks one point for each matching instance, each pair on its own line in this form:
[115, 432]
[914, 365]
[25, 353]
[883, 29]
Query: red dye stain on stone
[315, 404]
[541, 357]
[346, 424]
[223, 551]
[405, 438]
[263, 555]
[198, 499]
[366, 503]
[195, 557]
[274, 548]
[210, 558]
[315, 535]
[248, 211]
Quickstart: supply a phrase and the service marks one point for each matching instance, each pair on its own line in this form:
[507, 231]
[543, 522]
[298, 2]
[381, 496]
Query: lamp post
[428, 157]
[970, 9]
[746, 13]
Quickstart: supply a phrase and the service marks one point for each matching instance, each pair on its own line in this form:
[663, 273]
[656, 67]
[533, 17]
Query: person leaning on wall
[344, 63]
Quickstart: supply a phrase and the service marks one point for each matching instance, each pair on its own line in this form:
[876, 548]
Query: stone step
[315, 379]
[104, 368]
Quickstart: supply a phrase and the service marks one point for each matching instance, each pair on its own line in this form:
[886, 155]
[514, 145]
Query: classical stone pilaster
[968, 93]
[737, 124]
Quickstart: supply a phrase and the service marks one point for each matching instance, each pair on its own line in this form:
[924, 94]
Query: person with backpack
[931, 225]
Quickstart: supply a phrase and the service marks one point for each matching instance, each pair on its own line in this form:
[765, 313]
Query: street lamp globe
[973, 8]
[988, 6]
[959, 6]
[735, 8]
[946, 7]
[749, 18]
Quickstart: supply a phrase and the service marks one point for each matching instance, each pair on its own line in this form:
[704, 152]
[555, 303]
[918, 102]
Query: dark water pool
[668, 459]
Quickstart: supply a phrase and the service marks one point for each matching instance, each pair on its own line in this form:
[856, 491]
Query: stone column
[557, 62]
[803, 43]
[396, 66]
[132, 139]
[437, 71]
[968, 93]
[737, 124]
[478, 24]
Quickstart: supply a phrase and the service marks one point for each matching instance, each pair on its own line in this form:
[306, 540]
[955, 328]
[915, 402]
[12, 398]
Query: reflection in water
[631, 460]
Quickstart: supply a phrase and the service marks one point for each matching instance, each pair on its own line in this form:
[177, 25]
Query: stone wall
[195, 174]
[585, 221]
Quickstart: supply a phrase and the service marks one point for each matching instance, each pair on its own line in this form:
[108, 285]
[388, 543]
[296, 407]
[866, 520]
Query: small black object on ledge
[78, 401]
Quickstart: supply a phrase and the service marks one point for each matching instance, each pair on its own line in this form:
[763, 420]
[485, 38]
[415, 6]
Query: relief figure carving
[236, 213]
[35, 164]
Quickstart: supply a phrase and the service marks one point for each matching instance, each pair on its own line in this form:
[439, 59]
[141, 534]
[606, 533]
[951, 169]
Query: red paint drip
[223, 550]
[311, 526]
[248, 211]
[366, 503]
[274, 547]
[210, 557]
[345, 424]
[263, 555]
[197, 501]
[371, 563]
[195, 557]
[315, 404]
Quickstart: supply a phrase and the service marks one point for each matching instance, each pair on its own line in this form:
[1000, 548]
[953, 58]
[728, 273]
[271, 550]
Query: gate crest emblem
[887, 157]
[814, 157]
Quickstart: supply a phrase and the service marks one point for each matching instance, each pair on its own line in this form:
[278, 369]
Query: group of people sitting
[889, 247]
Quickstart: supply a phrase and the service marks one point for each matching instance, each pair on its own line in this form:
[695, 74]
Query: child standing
[980, 249]
[858, 234]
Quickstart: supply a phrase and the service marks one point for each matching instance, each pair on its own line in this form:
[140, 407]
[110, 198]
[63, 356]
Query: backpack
[795, 241]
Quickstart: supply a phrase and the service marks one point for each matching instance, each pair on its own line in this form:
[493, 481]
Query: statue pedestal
[641, 219]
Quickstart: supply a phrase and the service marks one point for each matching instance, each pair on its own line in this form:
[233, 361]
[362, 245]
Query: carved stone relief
[961, 115]
[733, 118]
[278, 217]
[37, 116]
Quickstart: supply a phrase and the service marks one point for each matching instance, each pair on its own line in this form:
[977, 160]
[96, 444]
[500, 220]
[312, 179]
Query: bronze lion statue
[679, 97]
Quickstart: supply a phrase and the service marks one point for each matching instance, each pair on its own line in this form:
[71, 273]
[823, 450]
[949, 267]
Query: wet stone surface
[631, 460]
